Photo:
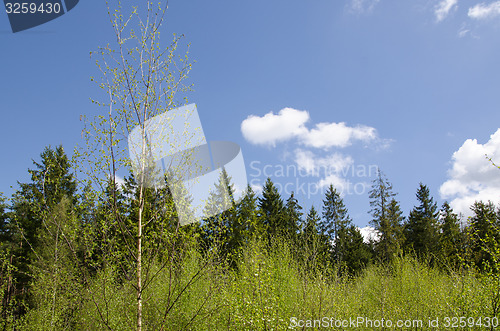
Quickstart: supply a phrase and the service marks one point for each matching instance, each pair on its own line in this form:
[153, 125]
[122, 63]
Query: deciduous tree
[141, 80]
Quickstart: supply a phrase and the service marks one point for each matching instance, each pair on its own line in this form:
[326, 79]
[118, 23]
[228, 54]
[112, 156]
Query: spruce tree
[355, 253]
[233, 223]
[421, 229]
[316, 246]
[385, 221]
[36, 210]
[450, 237]
[336, 225]
[390, 230]
[51, 180]
[7, 269]
[292, 218]
[310, 228]
[247, 215]
[6, 226]
[222, 228]
[271, 208]
[381, 195]
[484, 233]
[57, 283]
[107, 217]
[335, 214]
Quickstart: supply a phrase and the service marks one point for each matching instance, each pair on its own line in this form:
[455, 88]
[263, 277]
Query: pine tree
[421, 230]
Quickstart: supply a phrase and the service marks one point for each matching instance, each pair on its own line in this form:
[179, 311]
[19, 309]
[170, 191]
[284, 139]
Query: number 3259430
[32, 8]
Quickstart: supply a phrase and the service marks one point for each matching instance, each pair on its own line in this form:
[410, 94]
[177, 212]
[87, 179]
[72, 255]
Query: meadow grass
[270, 290]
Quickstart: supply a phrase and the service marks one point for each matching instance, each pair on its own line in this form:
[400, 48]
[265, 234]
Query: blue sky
[410, 86]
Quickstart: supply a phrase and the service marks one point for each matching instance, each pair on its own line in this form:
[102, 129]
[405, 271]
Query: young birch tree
[141, 80]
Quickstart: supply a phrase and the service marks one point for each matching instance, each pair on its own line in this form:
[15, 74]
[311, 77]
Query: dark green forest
[68, 258]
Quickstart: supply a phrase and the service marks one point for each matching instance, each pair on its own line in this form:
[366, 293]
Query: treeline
[57, 237]
[326, 236]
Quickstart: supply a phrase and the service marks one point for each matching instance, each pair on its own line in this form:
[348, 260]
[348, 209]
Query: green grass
[268, 289]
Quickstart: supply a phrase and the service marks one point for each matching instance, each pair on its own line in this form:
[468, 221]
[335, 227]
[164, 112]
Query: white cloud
[270, 128]
[484, 11]
[462, 33]
[257, 188]
[315, 166]
[369, 234]
[331, 169]
[473, 177]
[341, 184]
[443, 8]
[462, 204]
[290, 123]
[361, 6]
[305, 161]
[238, 192]
[326, 135]
[119, 181]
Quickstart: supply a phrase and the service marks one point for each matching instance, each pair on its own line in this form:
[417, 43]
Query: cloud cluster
[443, 8]
[483, 11]
[290, 123]
[472, 177]
[480, 11]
